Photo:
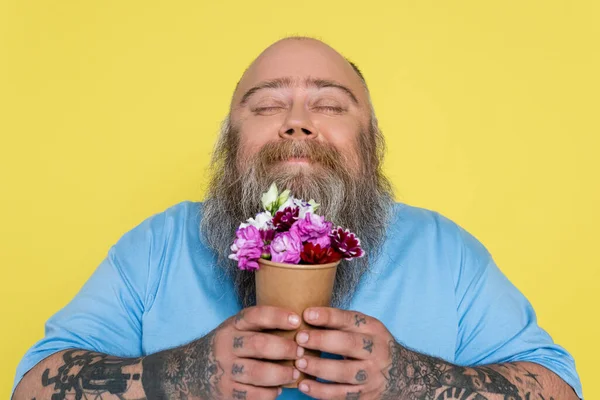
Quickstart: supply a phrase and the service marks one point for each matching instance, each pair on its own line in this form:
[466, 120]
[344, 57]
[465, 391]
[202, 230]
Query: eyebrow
[287, 82]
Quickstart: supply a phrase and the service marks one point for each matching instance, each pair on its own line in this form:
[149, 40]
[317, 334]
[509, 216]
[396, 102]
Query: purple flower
[284, 219]
[346, 243]
[314, 229]
[247, 247]
[286, 247]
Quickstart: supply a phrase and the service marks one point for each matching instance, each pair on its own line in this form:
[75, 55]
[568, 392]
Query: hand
[362, 340]
[243, 351]
[231, 362]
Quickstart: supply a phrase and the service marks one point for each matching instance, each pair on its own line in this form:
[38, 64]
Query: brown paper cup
[294, 287]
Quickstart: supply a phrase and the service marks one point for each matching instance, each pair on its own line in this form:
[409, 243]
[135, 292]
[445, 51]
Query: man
[167, 315]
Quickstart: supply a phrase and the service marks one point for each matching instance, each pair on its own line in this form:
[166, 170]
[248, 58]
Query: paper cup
[295, 287]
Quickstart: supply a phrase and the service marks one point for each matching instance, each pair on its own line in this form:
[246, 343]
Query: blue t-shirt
[435, 287]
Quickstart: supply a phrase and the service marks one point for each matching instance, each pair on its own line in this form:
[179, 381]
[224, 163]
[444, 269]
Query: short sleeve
[497, 323]
[105, 315]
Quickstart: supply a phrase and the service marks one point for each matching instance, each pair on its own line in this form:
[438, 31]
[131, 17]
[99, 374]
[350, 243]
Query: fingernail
[294, 319]
[312, 315]
[279, 391]
[302, 337]
[296, 374]
[301, 363]
[303, 387]
[300, 351]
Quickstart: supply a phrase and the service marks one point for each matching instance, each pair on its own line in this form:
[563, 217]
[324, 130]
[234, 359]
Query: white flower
[269, 198]
[303, 207]
[290, 202]
[272, 199]
[262, 221]
[283, 197]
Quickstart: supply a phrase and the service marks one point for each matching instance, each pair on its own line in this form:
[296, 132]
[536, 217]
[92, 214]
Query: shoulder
[424, 229]
[159, 226]
[151, 242]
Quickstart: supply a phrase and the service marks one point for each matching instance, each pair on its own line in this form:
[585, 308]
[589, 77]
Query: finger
[248, 392]
[334, 318]
[320, 390]
[262, 373]
[340, 371]
[266, 317]
[265, 345]
[349, 344]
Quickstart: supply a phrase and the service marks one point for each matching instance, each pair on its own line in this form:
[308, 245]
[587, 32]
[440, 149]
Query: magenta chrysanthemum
[314, 228]
[286, 247]
[346, 243]
[247, 248]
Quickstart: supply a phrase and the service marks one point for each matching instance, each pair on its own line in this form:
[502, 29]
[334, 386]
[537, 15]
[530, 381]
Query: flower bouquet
[294, 253]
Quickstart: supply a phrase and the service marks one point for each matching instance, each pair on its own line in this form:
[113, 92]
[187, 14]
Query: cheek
[343, 135]
[255, 132]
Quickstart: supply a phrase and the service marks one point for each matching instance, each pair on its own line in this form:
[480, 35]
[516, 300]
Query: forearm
[82, 373]
[425, 377]
[175, 373]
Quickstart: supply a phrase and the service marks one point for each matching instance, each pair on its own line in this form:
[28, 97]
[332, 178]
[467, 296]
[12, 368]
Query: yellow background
[109, 110]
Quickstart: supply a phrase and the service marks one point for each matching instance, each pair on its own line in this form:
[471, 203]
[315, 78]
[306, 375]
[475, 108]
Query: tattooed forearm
[88, 374]
[187, 372]
[411, 375]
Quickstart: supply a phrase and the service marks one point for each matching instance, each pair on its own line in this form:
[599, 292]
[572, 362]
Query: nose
[298, 125]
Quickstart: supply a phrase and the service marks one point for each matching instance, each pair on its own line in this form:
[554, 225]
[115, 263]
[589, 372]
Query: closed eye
[331, 109]
[267, 110]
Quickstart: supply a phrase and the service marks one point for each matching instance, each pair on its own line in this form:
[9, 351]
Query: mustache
[318, 152]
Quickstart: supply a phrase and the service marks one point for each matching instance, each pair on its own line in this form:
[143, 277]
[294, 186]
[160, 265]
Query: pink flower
[247, 247]
[314, 229]
[286, 247]
[346, 243]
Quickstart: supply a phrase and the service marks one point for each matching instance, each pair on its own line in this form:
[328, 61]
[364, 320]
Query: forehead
[300, 60]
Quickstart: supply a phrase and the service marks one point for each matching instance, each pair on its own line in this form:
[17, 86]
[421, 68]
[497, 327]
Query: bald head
[299, 57]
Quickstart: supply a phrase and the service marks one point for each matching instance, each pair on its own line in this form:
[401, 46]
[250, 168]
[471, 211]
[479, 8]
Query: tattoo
[368, 345]
[361, 375]
[353, 395]
[418, 376]
[186, 372]
[359, 319]
[89, 374]
[239, 394]
[238, 342]
[532, 376]
[239, 316]
[237, 369]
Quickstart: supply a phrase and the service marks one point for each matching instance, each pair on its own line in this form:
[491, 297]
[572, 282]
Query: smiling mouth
[297, 160]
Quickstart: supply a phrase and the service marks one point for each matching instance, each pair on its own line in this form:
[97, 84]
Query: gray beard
[360, 202]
